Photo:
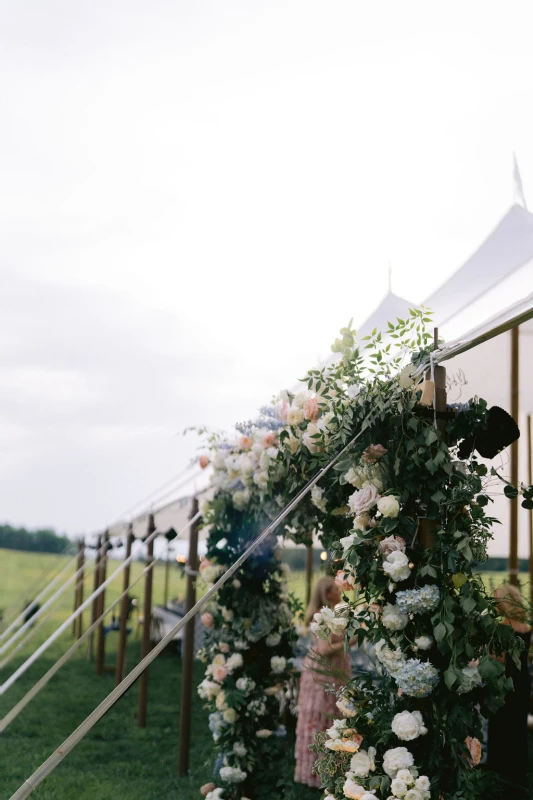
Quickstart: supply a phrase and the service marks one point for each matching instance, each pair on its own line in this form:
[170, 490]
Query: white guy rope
[37, 585]
[70, 743]
[37, 599]
[27, 638]
[75, 614]
[51, 600]
[36, 688]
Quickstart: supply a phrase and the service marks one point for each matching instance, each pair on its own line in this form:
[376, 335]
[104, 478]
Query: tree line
[42, 540]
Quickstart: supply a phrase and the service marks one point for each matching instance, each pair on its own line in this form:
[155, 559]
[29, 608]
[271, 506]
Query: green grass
[117, 760]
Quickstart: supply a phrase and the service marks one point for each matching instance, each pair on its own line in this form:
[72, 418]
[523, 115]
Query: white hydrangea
[278, 664]
[273, 639]
[397, 758]
[394, 619]
[424, 642]
[232, 775]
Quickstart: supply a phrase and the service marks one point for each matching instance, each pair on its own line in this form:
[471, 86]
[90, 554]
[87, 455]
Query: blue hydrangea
[281, 731]
[216, 724]
[219, 763]
[416, 678]
[418, 601]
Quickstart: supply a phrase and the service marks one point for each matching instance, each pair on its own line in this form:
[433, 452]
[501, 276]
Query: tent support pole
[513, 511]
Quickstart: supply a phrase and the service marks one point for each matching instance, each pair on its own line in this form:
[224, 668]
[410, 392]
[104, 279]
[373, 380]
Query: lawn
[116, 760]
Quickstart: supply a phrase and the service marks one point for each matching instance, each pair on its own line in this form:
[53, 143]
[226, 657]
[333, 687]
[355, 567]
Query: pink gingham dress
[316, 709]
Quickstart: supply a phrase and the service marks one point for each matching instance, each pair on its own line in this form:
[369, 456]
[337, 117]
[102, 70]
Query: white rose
[395, 759]
[352, 477]
[424, 642]
[408, 725]
[422, 783]
[234, 662]
[278, 664]
[295, 416]
[405, 776]
[394, 619]
[230, 715]
[406, 379]
[413, 794]
[398, 787]
[389, 506]
[353, 790]
[273, 639]
[396, 565]
[390, 544]
[368, 796]
[348, 541]
[363, 500]
[363, 762]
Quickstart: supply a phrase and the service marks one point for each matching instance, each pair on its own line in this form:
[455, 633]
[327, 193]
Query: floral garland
[407, 519]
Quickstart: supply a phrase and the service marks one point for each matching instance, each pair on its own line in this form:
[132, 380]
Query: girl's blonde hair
[511, 603]
[319, 597]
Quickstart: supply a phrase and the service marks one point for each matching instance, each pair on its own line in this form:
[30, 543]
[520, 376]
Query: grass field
[116, 760]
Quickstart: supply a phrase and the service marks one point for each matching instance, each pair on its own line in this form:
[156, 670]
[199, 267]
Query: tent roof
[391, 306]
[506, 249]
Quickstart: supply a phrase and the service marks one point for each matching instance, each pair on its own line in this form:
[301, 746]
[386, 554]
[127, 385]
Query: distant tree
[39, 541]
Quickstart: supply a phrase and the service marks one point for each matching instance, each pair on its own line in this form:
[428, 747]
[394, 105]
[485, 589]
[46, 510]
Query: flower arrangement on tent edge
[426, 611]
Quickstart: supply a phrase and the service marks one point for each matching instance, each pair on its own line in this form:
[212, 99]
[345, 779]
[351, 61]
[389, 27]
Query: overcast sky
[197, 195]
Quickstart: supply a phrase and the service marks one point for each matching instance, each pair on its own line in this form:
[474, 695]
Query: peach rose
[269, 439]
[224, 647]
[204, 563]
[203, 461]
[245, 443]
[220, 673]
[373, 453]
[345, 581]
[474, 748]
[207, 619]
[206, 788]
[311, 409]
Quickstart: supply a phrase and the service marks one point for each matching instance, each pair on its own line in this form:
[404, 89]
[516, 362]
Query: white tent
[498, 274]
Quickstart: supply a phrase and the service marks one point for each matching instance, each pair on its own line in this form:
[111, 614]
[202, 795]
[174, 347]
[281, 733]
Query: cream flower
[424, 642]
[278, 664]
[363, 762]
[422, 783]
[353, 790]
[398, 787]
[394, 619]
[397, 758]
[396, 565]
[264, 733]
[230, 715]
[408, 725]
[295, 416]
[389, 506]
[405, 776]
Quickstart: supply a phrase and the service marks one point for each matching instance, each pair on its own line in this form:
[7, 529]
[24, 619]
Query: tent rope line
[36, 688]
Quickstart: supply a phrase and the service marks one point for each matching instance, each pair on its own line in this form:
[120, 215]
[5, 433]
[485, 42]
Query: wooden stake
[124, 608]
[530, 513]
[94, 615]
[308, 573]
[146, 645]
[79, 621]
[167, 572]
[100, 645]
[188, 650]
[513, 511]
[78, 586]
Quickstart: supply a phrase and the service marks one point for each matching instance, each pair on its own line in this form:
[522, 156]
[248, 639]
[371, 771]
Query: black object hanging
[501, 431]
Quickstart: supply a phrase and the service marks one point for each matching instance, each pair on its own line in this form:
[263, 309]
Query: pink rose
[373, 453]
[220, 673]
[345, 581]
[203, 461]
[206, 788]
[363, 500]
[310, 409]
[224, 647]
[391, 544]
[474, 748]
[269, 439]
[204, 563]
[207, 619]
[245, 443]
[282, 409]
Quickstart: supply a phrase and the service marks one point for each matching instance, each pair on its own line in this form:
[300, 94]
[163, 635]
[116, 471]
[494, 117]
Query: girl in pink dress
[326, 665]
